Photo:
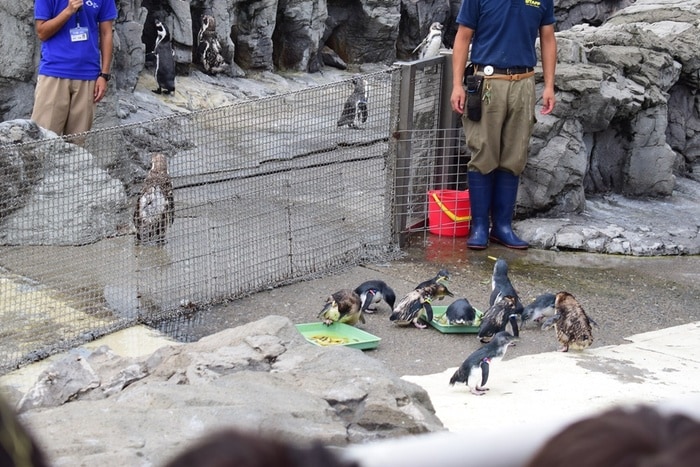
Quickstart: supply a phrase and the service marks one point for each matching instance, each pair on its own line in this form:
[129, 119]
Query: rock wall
[628, 114]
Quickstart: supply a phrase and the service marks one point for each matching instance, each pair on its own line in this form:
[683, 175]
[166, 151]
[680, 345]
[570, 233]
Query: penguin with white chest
[474, 371]
[355, 109]
[209, 47]
[165, 60]
[155, 206]
[431, 45]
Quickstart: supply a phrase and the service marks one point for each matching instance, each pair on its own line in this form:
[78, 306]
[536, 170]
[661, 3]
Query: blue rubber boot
[480, 192]
[505, 193]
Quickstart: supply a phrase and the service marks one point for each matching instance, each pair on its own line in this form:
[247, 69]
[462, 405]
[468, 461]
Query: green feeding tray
[440, 323]
[338, 334]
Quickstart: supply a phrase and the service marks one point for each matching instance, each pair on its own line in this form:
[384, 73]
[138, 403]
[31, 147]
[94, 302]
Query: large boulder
[263, 376]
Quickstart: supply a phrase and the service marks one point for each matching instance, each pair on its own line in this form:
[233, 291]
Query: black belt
[505, 71]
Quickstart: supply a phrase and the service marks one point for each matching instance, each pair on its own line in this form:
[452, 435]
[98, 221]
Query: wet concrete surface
[624, 295]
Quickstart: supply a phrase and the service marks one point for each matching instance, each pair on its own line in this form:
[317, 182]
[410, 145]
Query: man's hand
[457, 99]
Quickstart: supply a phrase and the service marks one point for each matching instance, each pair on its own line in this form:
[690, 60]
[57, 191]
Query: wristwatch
[106, 76]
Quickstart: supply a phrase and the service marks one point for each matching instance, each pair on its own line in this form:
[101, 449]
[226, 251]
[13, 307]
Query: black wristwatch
[106, 76]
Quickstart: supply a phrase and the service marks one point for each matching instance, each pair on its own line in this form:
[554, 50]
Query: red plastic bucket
[449, 212]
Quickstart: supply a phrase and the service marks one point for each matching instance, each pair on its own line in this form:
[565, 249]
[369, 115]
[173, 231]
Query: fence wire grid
[266, 192]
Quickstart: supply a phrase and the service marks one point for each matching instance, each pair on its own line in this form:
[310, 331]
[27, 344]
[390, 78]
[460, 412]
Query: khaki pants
[64, 106]
[500, 140]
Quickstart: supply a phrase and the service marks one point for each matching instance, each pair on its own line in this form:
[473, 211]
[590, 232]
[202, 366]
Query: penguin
[474, 371]
[430, 47]
[571, 323]
[165, 60]
[342, 307]
[209, 47]
[502, 286]
[497, 317]
[540, 308]
[375, 293]
[355, 110]
[442, 276]
[155, 206]
[460, 312]
[415, 306]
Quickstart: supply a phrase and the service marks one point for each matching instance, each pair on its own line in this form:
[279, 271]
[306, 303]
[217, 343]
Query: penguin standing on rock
[375, 294]
[209, 47]
[355, 109]
[342, 307]
[155, 206]
[474, 372]
[571, 323]
[431, 45]
[165, 60]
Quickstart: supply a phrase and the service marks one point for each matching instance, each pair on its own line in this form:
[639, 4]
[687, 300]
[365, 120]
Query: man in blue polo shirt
[76, 55]
[502, 34]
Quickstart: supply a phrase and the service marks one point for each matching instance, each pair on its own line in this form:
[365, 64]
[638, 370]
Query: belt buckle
[488, 70]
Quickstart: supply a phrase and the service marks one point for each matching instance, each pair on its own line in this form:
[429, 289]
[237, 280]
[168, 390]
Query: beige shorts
[500, 140]
[64, 106]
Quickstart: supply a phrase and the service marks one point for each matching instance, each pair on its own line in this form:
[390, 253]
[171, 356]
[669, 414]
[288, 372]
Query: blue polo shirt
[63, 58]
[505, 30]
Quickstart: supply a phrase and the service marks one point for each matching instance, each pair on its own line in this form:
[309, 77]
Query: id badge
[78, 34]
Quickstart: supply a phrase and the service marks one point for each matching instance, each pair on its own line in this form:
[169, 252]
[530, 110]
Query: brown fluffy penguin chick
[155, 207]
[415, 307]
[342, 307]
[571, 323]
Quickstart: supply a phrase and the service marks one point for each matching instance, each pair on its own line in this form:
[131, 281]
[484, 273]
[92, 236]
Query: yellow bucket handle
[450, 214]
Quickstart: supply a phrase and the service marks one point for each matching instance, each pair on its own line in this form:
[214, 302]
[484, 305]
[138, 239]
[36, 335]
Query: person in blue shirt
[76, 56]
[502, 35]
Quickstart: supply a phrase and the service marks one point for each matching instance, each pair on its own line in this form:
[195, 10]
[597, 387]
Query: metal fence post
[404, 126]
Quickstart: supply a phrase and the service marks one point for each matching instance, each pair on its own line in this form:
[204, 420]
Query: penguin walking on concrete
[355, 109]
[165, 60]
[431, 45]
[571, 323]
[501, 286]
[342, 306]
[460, 312]
[415, 308]
[375, 294]
[540, 308]
[497, 317]
[155, 206]
[209, 47]
[474, 371]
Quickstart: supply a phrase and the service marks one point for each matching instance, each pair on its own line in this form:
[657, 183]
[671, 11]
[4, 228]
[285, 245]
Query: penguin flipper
[362, 107]
[592, 321]
[513, 319]
[484, 373]
[428, 311]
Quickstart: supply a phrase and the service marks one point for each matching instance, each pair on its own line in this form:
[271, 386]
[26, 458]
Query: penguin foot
[158, 91]
[563, 349]
[419, 325]
[478, 391]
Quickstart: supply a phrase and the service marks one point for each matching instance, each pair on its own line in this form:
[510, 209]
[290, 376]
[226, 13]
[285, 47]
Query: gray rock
[263, 376]
[58, 175]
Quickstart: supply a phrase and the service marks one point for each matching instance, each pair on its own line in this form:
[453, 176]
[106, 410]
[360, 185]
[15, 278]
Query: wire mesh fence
[265, 192]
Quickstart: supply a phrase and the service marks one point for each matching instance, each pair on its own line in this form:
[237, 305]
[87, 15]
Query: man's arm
[548, 46]
[45, 29]
[106, 46]
[460, 55]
